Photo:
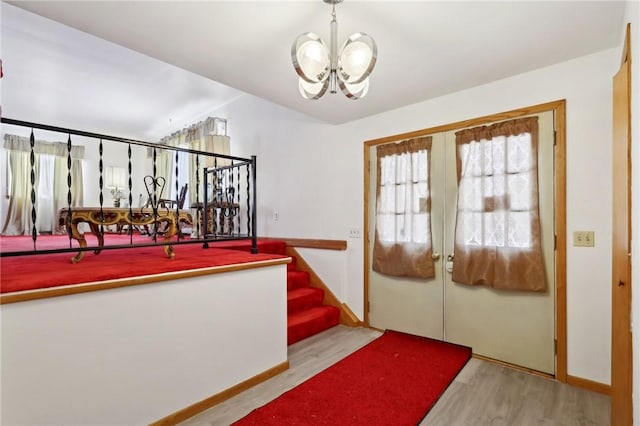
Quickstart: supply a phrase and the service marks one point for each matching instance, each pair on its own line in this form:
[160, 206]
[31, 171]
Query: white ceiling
[425, 49]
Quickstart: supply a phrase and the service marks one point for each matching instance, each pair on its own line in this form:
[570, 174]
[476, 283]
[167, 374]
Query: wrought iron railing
[223, 208]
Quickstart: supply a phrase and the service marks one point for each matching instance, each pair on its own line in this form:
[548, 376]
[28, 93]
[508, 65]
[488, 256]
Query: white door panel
[510, 326]
[410, 305]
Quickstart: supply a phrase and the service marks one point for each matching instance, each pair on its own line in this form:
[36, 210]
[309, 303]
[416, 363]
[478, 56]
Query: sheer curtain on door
[497, 237]
[402, 244]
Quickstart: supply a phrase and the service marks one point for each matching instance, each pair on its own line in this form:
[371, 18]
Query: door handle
[449, 264]
[435, 256]
[620, 283]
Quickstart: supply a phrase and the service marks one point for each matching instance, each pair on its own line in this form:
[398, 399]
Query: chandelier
[321, 67]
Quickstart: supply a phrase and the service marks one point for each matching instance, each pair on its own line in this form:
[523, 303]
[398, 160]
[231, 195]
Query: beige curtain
[165, 168]
[18, 220]
[199, 137]
[61, 190]
[497, 237]
[402, 245]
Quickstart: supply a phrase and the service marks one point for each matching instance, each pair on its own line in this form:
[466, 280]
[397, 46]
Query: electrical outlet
[355, 233]
[583, 239]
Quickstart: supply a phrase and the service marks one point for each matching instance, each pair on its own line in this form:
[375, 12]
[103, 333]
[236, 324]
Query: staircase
[306, 312]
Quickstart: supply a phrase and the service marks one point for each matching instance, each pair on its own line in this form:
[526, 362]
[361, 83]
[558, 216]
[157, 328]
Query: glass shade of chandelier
[323, 68]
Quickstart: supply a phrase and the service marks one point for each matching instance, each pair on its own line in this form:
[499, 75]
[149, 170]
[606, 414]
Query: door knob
[450, 258]
[435, 256]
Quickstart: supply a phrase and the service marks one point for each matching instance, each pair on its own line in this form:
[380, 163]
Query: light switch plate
[583, 239]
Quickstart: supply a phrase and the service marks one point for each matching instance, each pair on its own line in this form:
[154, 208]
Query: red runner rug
[394, 380]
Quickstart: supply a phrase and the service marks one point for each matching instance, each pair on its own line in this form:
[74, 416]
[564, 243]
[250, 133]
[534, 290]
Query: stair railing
[234, 183]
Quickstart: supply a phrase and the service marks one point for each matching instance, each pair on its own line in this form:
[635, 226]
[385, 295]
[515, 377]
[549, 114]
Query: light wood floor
[483, 393]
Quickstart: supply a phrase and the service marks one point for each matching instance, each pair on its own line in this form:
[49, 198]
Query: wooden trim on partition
[560, 218]
[347, 317]
[559, 109]
[23, 296]
[589, 385]
[205, 404]
[313, 243]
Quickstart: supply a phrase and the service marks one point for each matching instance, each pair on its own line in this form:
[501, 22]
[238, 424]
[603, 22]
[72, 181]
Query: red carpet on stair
[394, 380]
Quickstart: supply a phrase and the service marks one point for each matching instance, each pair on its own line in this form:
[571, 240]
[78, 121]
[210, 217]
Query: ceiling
[426, 49]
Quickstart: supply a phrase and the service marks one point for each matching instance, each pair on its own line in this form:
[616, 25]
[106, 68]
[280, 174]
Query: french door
[510, 326]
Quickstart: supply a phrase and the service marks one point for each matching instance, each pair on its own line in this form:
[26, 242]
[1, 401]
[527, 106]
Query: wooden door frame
[560, 210]
[621, 291]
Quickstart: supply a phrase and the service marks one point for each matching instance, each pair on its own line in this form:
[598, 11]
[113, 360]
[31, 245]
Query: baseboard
[354, 321]
[347, 317]
[571, 380]
[205, 404]
[514, 366]
[589, 385]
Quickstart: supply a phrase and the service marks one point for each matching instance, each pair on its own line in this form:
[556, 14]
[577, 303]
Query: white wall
[134, 355]
[312, 174]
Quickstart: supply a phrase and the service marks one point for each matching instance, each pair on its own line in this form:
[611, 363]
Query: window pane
[520, 191]
[420, 166]
[400, 198]
[495, 164]
[494, 229]
[419, 198]
[402, 234]
[495, 199]
[387, 200]
[401, 169]
[470, 194]
[519, 229]
[388, 170]
[420, 229]
[471, 225]
[520, 152]
[403, 198]
[385, 225]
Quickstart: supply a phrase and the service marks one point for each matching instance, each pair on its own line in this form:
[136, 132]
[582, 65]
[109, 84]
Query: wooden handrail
[313, 243]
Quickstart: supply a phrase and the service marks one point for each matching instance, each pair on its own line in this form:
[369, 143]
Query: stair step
[303, 298]
[303, 324]
[297, 279]
[292, 266]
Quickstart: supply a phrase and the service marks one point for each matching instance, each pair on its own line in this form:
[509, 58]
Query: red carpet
[394, 380]
[306, 312]
[52, 270]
